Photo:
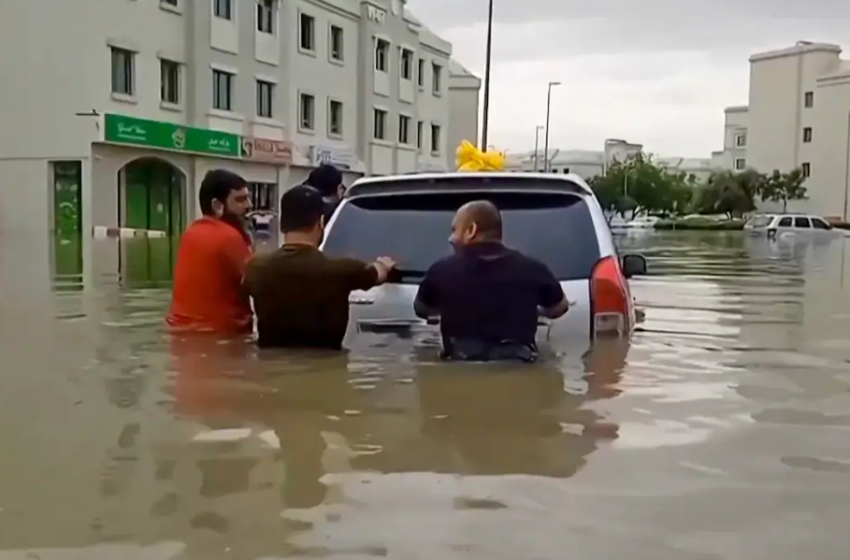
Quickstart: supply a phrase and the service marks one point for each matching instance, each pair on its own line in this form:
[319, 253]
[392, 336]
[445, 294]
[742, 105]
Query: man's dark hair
[487, 217]
[326, 179]
[217, 185]
[301, 208]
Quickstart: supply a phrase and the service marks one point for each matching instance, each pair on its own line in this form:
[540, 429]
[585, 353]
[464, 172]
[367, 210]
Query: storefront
[340, 157]
[146, 174]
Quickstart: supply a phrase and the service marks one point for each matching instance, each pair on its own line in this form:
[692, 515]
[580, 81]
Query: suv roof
[473, 181]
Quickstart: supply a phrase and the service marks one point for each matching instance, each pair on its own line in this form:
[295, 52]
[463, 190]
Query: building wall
[735, 138]
[68, 74]
[830, 180]
[778, 115]
[433, 102]
[464, 90]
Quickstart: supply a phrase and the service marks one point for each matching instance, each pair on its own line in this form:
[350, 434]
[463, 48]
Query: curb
[104, 232]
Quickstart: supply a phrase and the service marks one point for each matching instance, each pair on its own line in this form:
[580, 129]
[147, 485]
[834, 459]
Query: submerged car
[553, 218]
[786, 225]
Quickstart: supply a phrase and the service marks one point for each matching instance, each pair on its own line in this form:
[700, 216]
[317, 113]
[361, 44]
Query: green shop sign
[168, 136]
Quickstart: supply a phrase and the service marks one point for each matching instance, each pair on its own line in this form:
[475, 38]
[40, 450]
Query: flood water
[719, 432]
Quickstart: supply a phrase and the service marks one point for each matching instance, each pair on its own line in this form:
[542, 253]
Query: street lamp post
[485, 119]
[548, 112]
[537, 145]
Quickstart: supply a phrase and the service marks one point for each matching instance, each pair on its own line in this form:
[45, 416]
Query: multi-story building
[120, 107]
[733, 157]
[464, 88]
[798, 116]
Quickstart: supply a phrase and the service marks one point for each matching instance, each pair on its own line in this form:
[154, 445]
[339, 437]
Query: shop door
[154, 197]
[67, 219]
[136, 180]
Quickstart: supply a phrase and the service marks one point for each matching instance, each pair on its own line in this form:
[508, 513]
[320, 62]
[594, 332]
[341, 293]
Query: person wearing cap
[327, 179]
[214, 250]
[300, 294]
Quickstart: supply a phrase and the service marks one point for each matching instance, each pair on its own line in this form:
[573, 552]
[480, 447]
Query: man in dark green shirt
[300, 294]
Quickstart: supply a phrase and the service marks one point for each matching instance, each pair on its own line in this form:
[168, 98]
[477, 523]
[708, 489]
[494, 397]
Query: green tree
[732, 194]
[784, 187]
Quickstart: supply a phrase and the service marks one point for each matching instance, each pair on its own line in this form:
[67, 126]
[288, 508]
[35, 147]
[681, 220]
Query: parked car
[643, 222]
[774, 226]
[554, 218]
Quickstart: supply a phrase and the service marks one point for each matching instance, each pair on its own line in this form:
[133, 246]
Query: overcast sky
[657, 72]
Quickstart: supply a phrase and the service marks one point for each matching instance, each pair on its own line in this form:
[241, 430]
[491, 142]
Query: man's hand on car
[384, 265]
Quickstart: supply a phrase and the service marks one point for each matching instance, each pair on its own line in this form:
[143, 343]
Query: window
[810, 99]
[740, 164]
[262, 195]
[802, 222]
[420, 73]
[380, 126]
[123, 71]
[420, 133]
[807, 135]
[169, 82]
[223, 9]
[759, 222]
[784, 222]
[437, 78]
[265, 16]
[741, 140]
[222, 90]
[337, 43]
[543, 226]
[807, 169]
[404, 129]
[406, 64]
[307, 112]
[265, 99]
[382, 54]
[435, 139]
[817, 223]
[307, 33]
[335, 118]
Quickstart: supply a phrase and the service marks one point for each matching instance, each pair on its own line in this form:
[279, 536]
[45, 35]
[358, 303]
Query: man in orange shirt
[208, 293]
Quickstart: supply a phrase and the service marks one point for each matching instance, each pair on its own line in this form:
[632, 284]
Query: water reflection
[717, 433]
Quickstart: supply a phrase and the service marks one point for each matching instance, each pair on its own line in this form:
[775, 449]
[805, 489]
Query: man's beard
[239, 222]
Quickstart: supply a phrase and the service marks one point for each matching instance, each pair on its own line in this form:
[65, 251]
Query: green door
[67, 198]
[136, 181]
[159, 200]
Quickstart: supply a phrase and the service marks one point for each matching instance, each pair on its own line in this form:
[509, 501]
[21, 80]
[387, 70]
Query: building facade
[120, 114]
[733, 157]
[464, 89]
[798, 116]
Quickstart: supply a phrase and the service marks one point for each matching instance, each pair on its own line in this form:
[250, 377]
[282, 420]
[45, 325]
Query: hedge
[700, 224]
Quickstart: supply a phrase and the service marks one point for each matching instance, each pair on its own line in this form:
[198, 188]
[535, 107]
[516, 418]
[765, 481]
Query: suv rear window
[760, 221]
[414, 229]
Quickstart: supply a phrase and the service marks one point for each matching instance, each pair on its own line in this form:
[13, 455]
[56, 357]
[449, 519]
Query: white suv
[553, 218]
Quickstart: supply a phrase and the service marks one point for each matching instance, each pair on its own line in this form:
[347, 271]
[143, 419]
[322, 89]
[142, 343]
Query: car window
[820, 224]
[802, 222]
[760, 221]
[414, 229]
[784, 222]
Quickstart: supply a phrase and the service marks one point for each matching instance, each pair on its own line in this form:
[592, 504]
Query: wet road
[720, 432]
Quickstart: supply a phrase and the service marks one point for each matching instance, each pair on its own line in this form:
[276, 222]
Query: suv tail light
[609, 299]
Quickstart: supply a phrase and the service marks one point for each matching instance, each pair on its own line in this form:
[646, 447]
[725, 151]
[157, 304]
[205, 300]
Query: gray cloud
[455, 13]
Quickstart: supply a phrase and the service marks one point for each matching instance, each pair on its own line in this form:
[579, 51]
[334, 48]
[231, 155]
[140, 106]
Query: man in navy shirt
[488, 297]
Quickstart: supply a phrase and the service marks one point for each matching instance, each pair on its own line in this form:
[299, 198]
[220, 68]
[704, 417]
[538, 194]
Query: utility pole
[537, 146]
[548, 112]
[488, 56]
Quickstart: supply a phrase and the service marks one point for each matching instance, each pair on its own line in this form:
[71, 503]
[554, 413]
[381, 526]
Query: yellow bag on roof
[469, 158]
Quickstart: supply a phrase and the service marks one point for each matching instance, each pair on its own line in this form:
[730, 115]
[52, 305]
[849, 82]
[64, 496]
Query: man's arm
[359, 275]
[427, 302]
[550, 296]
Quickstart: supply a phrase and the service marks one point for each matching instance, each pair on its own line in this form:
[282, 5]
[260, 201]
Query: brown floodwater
[720, 431]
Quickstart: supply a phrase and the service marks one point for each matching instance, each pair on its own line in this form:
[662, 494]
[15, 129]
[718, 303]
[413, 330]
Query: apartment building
[798, 116]
[124, 105]
[733, 157]
[464, 89]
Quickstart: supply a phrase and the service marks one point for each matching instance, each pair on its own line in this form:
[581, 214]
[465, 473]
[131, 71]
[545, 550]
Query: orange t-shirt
[208, 293]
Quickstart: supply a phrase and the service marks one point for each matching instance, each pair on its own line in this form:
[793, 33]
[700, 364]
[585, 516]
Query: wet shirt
[208, 293]
[301, 296]
[490, 293]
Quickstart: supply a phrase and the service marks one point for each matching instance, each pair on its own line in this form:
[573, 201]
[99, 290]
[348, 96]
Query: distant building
[589, 163]
[798, 116]
[464, 89]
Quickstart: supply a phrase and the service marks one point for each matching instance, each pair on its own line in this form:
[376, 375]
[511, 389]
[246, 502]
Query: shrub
[700, 224]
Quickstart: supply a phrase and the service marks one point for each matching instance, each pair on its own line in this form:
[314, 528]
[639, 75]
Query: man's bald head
[478, 220]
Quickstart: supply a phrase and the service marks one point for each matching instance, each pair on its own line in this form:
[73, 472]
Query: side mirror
[634, 265]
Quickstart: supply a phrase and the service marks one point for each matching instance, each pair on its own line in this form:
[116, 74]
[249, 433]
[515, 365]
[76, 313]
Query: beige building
[734, 153]
[798, 115]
